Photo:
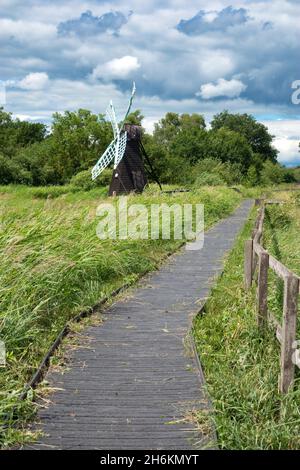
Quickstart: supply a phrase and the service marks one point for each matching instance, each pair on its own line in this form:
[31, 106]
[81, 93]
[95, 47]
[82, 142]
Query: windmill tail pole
[153, 172]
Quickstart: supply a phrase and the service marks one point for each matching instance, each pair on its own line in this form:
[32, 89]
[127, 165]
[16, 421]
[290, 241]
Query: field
[52, 266]
[241, 366]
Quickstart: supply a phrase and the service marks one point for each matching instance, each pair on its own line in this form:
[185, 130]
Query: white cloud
[26, 31]
[117, 68]
[215, 63]
[229, 88]
[287, 138]
[34, 81]
[289, 150]
[2, 94]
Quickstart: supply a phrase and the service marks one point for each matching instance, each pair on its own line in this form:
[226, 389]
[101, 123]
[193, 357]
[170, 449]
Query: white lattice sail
[115, 152]
[116, 149]
[112, 117]
[121, 149]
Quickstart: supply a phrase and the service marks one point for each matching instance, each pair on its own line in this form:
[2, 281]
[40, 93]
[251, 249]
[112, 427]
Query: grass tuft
[241, 365]
[52, 266]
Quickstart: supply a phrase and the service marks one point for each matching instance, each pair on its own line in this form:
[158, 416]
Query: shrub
[252, 178]
[209, 179]
[46, 192]
[83, 180]
[297, 199]
[279, 218]
[12, 172]
[211, 171]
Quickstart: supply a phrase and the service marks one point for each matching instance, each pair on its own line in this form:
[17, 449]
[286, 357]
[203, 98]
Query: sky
[185, 56]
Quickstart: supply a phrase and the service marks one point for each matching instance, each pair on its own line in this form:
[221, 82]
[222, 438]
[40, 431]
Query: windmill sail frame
[117, 147]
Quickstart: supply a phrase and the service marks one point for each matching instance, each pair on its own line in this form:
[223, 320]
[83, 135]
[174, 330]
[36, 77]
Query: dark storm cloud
[89, 25]
[226, 18]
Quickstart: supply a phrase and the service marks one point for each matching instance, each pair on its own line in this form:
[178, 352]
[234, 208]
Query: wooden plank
[279, 268]
[291, 293]
[262, 290]
[135, 364]
[274, 201]
[248, 263]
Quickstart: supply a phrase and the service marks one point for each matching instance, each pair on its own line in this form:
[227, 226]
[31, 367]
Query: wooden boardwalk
[136, 384]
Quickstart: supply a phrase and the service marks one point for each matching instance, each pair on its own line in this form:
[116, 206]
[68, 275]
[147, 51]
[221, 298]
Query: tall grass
[52, 265]
[240, 364]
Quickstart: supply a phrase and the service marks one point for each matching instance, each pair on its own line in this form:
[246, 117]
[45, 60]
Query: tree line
[235, 149]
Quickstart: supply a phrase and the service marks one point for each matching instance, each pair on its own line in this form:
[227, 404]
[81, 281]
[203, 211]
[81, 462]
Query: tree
[41, 162]
[273, 174]
[79, 139]
[135, 118]
[252, 176]
[7, 133]
[190, 144]
[11, 172]
[168, 128]
[256, 134]
[178, 142]
[229, 146]
[28, 133]
[16, 134]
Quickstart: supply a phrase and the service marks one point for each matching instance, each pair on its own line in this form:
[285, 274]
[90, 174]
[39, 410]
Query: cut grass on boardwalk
[52, 265]
[240, 365]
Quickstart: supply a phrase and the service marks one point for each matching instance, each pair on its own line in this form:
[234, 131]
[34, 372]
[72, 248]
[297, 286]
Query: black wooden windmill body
[126, 151]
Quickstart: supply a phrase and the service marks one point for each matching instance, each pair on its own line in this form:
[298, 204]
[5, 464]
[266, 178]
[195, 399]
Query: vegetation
[241, 366]
[52, 265]
[31, 155]
[282, 239]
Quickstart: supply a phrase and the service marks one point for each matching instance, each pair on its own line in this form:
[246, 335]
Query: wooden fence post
[248, 263]
[287, 367]
[262, 290]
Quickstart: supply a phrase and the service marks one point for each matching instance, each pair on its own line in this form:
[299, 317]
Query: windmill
[126, 151]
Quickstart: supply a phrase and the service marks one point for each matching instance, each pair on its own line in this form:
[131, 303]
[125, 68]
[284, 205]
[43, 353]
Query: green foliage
[256, 134]
[272, 174]
[15, 134]
[252, 176]
[12, 172]
[296, 198]
[278, 217]
[189, 144]
[79, 138]
[84, 181]
[52, 192]
[76, 141]
[229, 146]
[135, 118]
[182, 141]
[241, 365]
[209, 179]
[39, 162]
[52, 265]
[296, 173]
[179, 142]
[211, 171]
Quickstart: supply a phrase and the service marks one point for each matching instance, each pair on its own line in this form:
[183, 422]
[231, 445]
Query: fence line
[257, 258]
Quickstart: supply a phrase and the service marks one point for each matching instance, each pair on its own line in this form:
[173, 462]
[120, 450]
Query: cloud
[288, 151]
[2, 94]
[229, 88]
[117, 69]
[89, 25]
[253, 43]
[205, 22]
[34, 81]
[287, 137]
